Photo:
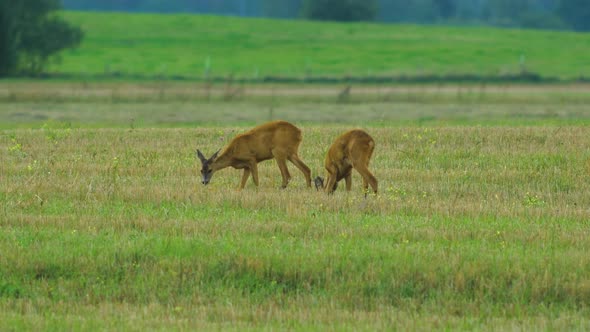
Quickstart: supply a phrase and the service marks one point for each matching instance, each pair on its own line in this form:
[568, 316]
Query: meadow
[481, 222]
[191, 46]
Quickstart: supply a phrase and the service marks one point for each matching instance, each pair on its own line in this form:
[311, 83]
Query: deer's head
[206, 170]
[319, 183]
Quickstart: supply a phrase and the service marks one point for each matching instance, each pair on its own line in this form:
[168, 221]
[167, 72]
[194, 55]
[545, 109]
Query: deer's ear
[200, 155]
[214, 155]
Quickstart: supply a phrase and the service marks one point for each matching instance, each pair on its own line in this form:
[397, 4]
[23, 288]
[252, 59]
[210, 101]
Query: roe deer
[278, 139]
[353, 149]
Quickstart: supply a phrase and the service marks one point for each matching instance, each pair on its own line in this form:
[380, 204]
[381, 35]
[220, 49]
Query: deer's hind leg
[281, 157]
[282, 162]
[368, 177]
[302, 167]
[361, 164]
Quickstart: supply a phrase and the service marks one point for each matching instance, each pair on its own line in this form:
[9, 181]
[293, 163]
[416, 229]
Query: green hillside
[186, 45]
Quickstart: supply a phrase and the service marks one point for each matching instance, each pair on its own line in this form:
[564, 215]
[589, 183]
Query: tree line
[30, 35]
[547, 14]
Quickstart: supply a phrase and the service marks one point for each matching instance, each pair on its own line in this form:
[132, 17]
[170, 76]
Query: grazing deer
[353, 149]
[278, 139]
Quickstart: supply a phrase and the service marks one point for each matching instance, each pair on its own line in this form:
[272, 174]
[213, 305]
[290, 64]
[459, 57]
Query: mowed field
[197, 46]
[165, 104]
[482, 219]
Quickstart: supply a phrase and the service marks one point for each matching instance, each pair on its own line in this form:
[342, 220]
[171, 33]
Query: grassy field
[196, 46]
[481, 221]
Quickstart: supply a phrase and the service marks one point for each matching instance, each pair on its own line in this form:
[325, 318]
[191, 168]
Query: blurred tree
[446, 8]
[340, 10]
[505, 12]
[542, 20]
[418, 11]
[281, 8]
[8, 58]
[31, 35]
[576, 13]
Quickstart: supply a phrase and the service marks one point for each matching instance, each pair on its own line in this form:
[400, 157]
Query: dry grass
[474, 228]
[26, 104]
[162, 91]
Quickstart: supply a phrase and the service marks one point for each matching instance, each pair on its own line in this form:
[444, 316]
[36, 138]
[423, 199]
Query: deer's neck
[221, 162]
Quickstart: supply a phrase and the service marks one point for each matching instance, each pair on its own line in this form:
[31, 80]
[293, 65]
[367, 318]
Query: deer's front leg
[331, 185]
[245, 176]
[348, 180]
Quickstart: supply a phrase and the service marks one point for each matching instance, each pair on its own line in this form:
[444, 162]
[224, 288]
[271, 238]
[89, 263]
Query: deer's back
[359, 141]
[352, 140]
[261, 140]
[349, 146]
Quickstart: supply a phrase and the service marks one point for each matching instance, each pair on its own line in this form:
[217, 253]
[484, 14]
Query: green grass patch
[196, 46]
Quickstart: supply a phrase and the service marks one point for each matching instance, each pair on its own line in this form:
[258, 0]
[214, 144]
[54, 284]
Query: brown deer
[278, 139]
[353, 149]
